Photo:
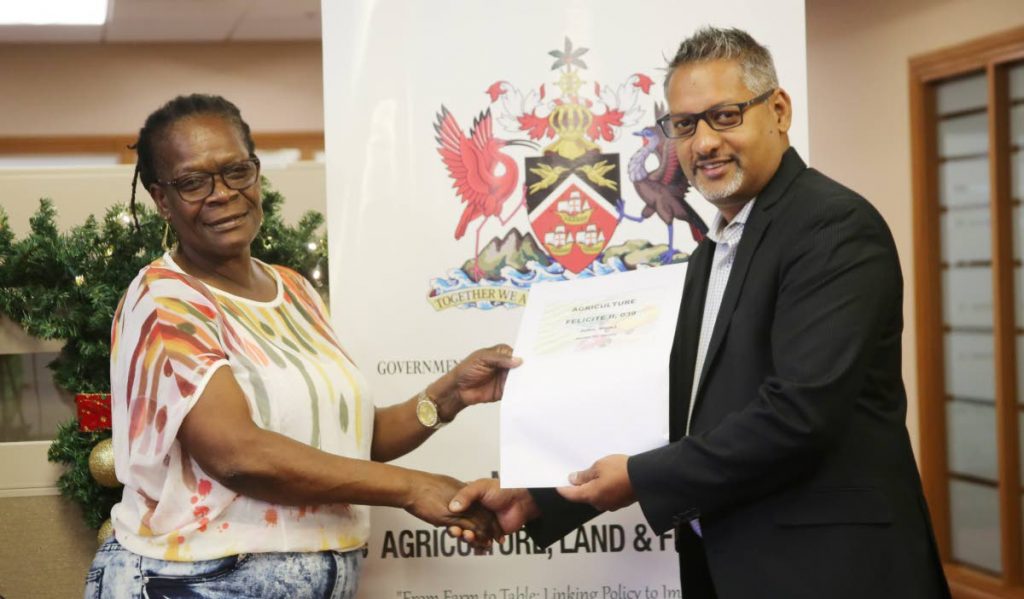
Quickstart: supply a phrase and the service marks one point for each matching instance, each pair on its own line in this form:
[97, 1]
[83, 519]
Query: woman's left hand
[480, 378]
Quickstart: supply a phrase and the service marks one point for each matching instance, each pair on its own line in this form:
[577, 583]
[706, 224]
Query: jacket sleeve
[838, 288]
[558, 518]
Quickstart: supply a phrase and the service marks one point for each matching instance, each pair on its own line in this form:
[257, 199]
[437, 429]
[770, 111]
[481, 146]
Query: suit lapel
[684, 346]
[753, 232]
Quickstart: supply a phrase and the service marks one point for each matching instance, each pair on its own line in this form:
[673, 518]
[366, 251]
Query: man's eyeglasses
[196, 187]
[719, 118]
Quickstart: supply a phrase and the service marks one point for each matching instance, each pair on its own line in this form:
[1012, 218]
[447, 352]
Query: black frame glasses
[719, 118]
[196, 186]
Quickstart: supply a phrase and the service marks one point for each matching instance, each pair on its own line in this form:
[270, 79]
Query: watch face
[426, 412]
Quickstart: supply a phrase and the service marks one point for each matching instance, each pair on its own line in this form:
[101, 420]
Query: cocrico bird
[663, 189]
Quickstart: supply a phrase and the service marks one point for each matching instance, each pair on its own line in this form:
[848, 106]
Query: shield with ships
[571, 204]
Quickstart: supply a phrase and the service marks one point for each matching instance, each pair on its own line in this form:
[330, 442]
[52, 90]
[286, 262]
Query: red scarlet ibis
[484, 176]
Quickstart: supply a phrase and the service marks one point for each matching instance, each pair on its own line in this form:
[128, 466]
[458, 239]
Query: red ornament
[93, 412]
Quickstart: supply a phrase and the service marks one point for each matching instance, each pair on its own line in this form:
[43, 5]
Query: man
[790, 473]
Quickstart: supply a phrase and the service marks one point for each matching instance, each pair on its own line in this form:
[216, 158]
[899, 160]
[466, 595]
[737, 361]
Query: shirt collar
[721, 231]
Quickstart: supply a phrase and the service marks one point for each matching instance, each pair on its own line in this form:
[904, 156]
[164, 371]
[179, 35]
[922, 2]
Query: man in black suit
[790, 473]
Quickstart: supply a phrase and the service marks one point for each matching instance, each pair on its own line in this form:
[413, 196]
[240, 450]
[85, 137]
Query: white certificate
[594, 378]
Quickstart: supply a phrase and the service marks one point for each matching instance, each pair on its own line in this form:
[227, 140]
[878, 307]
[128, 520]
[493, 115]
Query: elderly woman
[246, 438]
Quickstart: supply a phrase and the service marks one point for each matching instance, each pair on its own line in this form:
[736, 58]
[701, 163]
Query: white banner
[474, 148]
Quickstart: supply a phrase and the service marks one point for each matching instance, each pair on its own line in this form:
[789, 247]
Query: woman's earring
[167, 233]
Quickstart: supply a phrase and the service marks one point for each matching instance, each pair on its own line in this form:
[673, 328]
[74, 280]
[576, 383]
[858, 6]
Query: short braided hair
[168, 114]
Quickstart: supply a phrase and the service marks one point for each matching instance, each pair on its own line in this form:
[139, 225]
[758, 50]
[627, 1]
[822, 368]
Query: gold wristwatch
[426, 411]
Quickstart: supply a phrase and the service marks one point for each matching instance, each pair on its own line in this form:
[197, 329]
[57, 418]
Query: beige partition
[46, 548]
[81, 191]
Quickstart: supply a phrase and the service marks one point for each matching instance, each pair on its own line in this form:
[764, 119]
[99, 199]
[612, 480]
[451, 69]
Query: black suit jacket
[798, 463]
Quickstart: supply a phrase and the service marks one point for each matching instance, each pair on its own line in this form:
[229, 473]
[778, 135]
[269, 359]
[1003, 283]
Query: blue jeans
[119, 573]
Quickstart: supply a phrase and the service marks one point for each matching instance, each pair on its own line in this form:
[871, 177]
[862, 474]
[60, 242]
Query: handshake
[480, 512]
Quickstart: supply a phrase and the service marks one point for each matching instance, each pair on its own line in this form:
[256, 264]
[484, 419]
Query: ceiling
[184, 21]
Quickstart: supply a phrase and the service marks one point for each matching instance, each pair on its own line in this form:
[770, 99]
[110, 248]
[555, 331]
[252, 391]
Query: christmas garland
[67, 285]
[73, 448]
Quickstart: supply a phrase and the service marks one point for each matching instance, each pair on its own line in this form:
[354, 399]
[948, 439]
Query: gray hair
[712, 43]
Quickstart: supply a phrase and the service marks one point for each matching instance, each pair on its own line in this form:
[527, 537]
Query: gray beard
[721, 193]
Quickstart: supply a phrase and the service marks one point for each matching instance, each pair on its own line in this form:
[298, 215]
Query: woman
[242, 432]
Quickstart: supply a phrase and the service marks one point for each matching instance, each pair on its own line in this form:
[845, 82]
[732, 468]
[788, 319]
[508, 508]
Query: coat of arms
[572, 191]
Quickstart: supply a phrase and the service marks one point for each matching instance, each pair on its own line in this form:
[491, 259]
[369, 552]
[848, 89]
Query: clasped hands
[481, 511]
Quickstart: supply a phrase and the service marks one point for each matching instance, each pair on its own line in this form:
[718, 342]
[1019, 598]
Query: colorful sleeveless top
[170, 334]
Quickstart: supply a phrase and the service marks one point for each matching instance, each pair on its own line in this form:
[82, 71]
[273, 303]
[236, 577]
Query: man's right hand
[513, 507]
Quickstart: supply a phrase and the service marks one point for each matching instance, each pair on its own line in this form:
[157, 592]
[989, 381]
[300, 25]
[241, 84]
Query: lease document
[594, 378]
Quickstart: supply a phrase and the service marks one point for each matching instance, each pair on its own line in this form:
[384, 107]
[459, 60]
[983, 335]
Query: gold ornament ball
[106, 531]
[101, 464]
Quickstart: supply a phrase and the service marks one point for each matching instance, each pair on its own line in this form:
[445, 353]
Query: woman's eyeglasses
[197, 186]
